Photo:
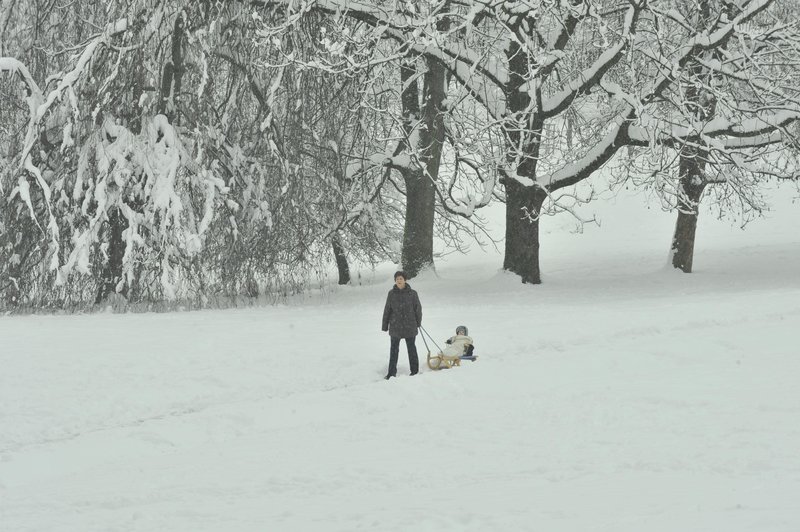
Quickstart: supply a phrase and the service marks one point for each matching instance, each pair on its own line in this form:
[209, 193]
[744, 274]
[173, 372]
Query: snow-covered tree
[323, 125]
[160, 158]
[103, 170]
[727, 124]
[356, 41]
[536, 66]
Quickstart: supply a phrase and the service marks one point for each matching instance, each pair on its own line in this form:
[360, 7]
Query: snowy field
[619, 396]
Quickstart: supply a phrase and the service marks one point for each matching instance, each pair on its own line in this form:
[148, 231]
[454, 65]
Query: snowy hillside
[618, 396]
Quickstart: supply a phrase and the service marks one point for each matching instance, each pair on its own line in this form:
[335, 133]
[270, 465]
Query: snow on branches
[146, 185]
[566, 85]
[153, 181]
[39, 105]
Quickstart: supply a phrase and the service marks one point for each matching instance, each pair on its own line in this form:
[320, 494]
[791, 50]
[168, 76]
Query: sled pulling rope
[424, 332]
[434, 362]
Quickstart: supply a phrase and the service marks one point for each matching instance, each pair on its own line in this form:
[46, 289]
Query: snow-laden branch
[150, 178]
[618, 134]
[707, 40]
[482, 79]
[466, 207]
[590, 77]
[577, 171]
[749, 132]
[65, 82]
[34, 100]
[39, 104]
[15, 66]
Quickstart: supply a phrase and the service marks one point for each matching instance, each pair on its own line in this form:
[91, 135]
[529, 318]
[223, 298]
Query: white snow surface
[618, 396]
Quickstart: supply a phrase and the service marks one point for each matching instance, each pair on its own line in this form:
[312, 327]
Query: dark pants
[394, 352]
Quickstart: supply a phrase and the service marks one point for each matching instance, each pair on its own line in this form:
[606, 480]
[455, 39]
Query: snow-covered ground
[618, 396]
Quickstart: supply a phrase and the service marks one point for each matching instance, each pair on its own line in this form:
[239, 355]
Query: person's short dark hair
[400, 273]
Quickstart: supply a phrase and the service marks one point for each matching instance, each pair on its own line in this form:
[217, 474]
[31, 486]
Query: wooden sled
[440, 361]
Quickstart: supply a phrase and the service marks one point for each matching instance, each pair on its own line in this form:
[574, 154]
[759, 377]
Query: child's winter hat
[462, 329]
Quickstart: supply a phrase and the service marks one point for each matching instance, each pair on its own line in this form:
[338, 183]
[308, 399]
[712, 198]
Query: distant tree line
[189, 151]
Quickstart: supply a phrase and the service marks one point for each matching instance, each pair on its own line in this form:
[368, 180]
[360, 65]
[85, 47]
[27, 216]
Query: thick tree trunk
[431, 138]
[523, 205]
[692, 185]
[112, 271]
[417, 253]
[341, 260]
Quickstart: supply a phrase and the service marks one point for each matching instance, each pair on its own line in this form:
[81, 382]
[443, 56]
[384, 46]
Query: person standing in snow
[402, 316]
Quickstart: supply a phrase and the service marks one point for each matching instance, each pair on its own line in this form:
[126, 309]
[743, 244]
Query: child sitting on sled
[459, 345]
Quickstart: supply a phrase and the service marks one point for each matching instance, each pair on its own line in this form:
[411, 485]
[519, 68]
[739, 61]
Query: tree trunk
[692, 184]
[432, 136]
[171, 78]
[341, 260]
[417, 252]
[418, 231]
[112, 271]
[691, 169]
[523, 205]
[523, 142]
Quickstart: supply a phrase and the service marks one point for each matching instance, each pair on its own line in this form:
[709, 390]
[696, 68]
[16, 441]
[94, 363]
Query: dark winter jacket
[402, 315]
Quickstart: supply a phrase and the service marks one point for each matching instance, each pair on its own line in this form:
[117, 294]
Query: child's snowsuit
[459, 345]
